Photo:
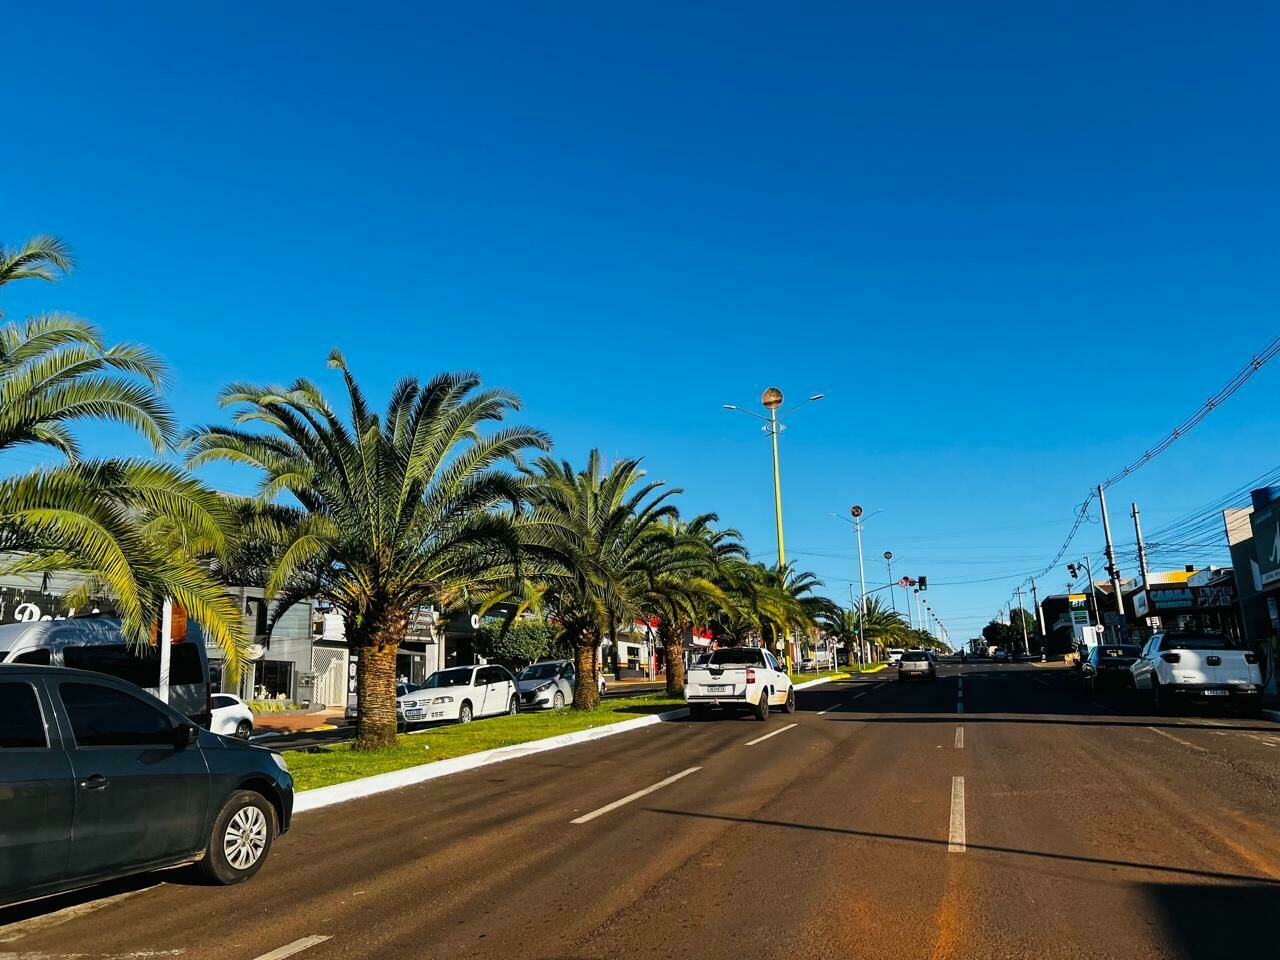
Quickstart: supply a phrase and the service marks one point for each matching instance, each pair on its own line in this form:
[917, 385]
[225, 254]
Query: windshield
[458, 677]
[737, 655]
[403, 688]
[540, 671]
[1187, 641]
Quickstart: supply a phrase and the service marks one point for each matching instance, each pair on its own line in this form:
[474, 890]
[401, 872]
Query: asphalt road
[996, 813]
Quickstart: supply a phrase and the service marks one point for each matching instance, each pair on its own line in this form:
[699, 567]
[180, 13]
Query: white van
[96, 643]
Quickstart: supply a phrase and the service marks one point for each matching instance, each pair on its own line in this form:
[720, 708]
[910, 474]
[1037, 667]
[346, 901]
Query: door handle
[95, 782]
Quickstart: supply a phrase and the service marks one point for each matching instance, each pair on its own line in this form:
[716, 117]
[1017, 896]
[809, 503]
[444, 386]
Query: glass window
[540, 671]
[21, 723]
[219, 702]
[39, 657]
[273, 680]
[116, 660]
[104, 717]
[749, 655]
[184, 664]
[915, 656]
[457, 677]
[1190, 641]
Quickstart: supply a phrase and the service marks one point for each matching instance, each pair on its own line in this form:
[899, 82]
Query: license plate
[1215, 693]
[719, 688]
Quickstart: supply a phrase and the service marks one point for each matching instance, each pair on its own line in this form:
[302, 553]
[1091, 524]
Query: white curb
[382, 782]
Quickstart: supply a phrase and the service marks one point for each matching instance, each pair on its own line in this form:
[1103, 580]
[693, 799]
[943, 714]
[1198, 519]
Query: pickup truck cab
[739, 678]
[1178, 668]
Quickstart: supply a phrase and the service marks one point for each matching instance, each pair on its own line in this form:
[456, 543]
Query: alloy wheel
[245, 838]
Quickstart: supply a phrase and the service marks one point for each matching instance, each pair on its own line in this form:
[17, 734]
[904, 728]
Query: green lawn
[808, 675]
[322, 766]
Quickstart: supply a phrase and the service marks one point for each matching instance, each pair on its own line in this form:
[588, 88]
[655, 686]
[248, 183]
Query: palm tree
[602, 527]
[131, 529]
[681, 583]
[394, 512]
[40, 258]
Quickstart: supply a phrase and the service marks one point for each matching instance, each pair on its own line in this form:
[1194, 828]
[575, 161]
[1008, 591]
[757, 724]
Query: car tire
[1159, 702]
[761, 709]
[513, 707]
[790, 705]
[244, 730]
[464, 712]
[557, 702]
[240, 840]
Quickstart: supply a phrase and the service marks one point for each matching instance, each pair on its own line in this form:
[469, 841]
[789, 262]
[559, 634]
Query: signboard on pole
[1079, 609]
[1266, 541]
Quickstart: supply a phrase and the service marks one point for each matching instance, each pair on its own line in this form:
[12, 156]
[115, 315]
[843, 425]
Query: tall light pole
[772, 400]
[856, 512]
[888, 562]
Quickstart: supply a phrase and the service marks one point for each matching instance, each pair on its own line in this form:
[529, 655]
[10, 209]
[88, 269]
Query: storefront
[1186, 600]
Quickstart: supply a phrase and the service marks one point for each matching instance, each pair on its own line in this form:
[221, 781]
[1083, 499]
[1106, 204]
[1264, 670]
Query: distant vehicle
[739, 678]
[459, 695]
[97, 644]
[895, 654]
[1000, 654]
[1108, 668]
[231, 717]
[352, 713]
[101, 781]
[917, 665]
[550, 684]
[1177, 668]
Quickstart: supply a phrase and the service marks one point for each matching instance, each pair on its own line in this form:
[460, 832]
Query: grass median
[323, 766]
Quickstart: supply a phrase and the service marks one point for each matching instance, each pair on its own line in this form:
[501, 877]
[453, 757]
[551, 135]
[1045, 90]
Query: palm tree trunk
[673, 647]
[376, 684]
[586, 694]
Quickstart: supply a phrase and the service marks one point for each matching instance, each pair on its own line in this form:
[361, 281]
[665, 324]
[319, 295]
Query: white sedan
[231, 717]
[459, 695]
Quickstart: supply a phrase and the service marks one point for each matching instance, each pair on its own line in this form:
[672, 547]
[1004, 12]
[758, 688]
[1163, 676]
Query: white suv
[1178, 668]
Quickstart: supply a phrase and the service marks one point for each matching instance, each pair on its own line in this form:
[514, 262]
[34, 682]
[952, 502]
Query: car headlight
[443, 700]
[544, 687]
[280, 761]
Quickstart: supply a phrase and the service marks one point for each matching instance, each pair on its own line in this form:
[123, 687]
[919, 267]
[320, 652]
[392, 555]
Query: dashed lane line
[955, 837]
[608, 808]
[1185, 743]
[289, 949]
[752, 743]
[959, 738]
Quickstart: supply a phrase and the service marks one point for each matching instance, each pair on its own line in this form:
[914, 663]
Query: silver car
[549, 685]
[916, 665]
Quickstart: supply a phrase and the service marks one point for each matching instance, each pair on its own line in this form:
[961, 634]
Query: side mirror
[184, 735]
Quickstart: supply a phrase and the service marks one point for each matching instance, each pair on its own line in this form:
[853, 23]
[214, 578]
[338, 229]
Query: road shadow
[1264, 883]
[1219, 921]
[20, 913]
[1102, 720]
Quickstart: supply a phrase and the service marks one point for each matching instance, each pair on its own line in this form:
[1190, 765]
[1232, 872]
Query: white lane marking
[959, 738]
[834, 706]
[608, 808]
[1185, 743]
[960, 684]
[841, 705]
[955, 839]
[752, 743]
[959, 708]
[289, 949]
[1042, 681]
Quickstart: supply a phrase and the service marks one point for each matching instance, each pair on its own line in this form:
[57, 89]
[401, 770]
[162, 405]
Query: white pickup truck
[739, 678]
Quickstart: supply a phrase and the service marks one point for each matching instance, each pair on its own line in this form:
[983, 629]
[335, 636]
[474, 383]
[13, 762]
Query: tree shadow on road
[1219, 921]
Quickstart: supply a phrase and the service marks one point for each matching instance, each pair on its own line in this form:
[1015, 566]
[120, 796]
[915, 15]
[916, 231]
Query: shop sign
[1079, 609]
[1266, 541]
[1179, 598]
[1140, 605]
[1218, 595]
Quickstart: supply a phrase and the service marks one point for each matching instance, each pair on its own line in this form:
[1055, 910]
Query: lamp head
[888, 554]
[856, 511]
[771, 398]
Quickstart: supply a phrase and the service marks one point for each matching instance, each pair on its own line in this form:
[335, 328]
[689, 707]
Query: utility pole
[856, 512]
[1142, 551]
[1112, 570]
[888, 562]
[1022, 619]
[1041, 627]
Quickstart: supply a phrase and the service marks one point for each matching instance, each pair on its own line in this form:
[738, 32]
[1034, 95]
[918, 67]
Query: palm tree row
[428, 501]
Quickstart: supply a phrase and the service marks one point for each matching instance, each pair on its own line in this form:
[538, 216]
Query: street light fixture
[772, 399]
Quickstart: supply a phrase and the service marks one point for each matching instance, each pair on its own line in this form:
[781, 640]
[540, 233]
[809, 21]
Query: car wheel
[240, 840]
[1159, 702]
[244, 729]
[557, 702]
[762, 708]
[790, 705]
[464, 712]
[513, 707]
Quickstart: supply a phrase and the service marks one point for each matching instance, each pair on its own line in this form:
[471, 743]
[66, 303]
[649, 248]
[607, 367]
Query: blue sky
[1013, 244]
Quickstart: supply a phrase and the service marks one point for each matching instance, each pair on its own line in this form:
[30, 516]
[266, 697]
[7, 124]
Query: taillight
[1171, 657]
[751, 675]
[1250, 658]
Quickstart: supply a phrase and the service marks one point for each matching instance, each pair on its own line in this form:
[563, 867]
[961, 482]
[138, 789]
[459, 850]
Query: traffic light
[924, 583]
[1071, 569]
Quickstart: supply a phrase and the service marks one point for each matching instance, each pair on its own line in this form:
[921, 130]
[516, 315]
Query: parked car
[1176, 668]
[738, 678]
[352, 713]
[460, 695]
[895, 654]
[547, 685]
[1107, 667]
[97, 643]
[231, 717]
[916, 665]
[99, 781]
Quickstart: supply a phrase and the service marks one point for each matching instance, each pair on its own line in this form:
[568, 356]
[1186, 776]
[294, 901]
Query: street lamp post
[856, 512]
[772, 400]
[888, 562]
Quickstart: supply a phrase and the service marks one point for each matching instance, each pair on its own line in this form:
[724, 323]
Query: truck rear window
[1188, 641]
[748, 655]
